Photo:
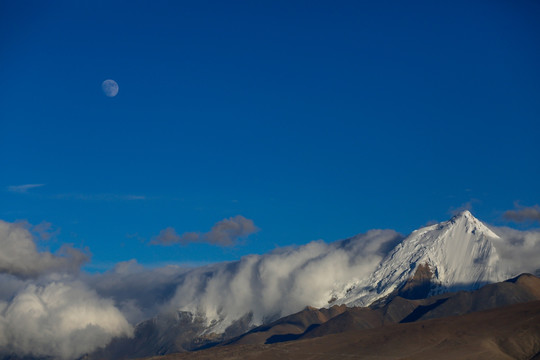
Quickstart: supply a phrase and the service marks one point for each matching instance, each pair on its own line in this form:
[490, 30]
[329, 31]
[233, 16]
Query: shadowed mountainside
[511, 332]
[310, 323]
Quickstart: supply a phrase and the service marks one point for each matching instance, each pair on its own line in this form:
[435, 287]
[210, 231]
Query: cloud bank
[224, 233]
[520, 250]
[281, 282]
[61, 319]
[139, 292]
[44, 310]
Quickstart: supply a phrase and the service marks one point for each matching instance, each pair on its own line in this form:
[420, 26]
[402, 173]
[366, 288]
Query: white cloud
[44, 310]
[63, 320]
[19, 255]
[224, 233]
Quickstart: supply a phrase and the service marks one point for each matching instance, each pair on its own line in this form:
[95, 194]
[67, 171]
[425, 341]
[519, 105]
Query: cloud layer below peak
[62, 319]
[45, 309]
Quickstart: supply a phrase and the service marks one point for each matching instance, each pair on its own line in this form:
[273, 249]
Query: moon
[110, 88]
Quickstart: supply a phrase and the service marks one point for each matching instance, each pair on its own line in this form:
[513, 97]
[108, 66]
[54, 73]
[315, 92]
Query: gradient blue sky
[315, 119]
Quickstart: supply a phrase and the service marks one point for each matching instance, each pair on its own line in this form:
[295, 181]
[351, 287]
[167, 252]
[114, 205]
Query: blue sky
[316, 120]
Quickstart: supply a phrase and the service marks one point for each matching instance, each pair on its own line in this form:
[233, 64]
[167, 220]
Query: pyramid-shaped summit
[457, 254]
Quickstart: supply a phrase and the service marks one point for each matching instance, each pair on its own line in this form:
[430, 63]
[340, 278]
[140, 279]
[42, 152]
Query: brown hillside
[511, 332]
[311, 323]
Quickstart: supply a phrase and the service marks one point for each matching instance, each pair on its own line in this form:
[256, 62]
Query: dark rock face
[419, 286]
[161, 335]
[169, 333]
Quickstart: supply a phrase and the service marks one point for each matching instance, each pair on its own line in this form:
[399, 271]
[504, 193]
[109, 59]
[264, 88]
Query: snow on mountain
[458, 254]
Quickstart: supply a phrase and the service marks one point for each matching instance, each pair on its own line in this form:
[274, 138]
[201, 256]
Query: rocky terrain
[504, 333]
[477, 325]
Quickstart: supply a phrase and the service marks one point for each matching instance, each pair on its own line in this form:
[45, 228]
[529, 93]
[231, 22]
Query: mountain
[511, 332]
[458, 254]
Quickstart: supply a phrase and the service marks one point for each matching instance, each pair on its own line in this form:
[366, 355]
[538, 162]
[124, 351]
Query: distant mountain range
[419, 278]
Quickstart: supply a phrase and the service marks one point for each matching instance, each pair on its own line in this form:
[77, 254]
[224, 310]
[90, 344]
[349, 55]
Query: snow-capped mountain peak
[452, 255]
[469, 224]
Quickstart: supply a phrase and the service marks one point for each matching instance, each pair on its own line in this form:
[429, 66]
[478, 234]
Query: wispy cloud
[22, 189]
[224, 233]
[100, 197]
[465, 206]
[523, 213]
[25, 188]
[167, 236]
[42, 231]
[134, 197]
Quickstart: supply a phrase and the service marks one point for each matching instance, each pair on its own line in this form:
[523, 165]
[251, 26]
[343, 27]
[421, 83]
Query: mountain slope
[513, 333]
[289, 327]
